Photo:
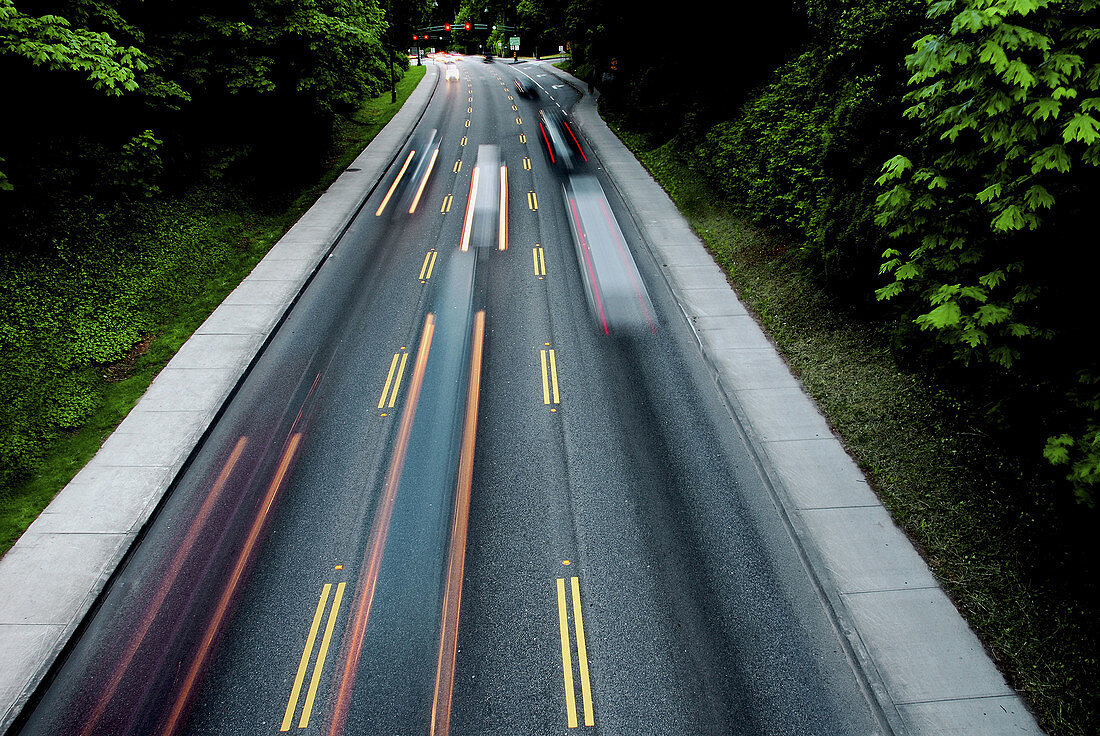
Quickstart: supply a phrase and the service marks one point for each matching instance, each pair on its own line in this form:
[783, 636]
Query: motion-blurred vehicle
[412, 177]
[562, 146]
[525, 88]
[488, 59]
[616, 294]
[486, 222]
[451, 72]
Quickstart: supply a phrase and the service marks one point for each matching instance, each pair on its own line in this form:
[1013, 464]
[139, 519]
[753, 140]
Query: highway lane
[618, 530]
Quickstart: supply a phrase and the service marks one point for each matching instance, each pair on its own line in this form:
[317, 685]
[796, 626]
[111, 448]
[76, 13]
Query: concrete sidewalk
[53, 575]
[927, 670]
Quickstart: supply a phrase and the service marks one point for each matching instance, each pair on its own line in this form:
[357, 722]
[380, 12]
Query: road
[443, 501]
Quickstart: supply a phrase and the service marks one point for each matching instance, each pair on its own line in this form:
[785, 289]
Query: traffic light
[447, 27]
[467, 25]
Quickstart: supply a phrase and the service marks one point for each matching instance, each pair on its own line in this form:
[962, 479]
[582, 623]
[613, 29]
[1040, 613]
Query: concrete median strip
[53, 575]
[926, 669]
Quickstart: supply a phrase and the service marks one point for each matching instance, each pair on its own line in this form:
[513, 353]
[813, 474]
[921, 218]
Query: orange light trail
[423, 182]
[386, 199]
[452, 596]
[230, 590]
[372, 560]
[166, 584]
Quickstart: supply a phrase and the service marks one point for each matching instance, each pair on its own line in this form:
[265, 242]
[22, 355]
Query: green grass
[235, 240]
[985, 515]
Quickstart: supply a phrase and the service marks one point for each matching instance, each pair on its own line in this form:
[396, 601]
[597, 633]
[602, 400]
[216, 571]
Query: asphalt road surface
[444, 501]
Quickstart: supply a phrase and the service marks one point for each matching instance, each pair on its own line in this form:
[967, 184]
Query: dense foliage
[129, 132]
[994, 218]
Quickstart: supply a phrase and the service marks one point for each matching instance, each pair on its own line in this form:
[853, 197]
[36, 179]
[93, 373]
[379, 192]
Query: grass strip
[237, 238]
[985, 517]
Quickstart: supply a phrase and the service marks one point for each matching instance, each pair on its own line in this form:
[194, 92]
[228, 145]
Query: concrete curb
[52, 577]
[927, 670]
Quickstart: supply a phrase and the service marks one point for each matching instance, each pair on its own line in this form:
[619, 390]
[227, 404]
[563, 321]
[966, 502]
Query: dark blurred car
[488, 59]
[562, 144]
[525, 88]
[613, 287]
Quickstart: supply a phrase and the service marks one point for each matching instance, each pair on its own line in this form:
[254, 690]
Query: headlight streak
[468, 219]
[502, 234]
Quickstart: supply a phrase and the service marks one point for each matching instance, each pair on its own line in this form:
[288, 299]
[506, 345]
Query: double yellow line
[427, 268]
[549, 377]
[532, 201]
[566, 655]
[540, 260]
[398, 365]
[307, 654]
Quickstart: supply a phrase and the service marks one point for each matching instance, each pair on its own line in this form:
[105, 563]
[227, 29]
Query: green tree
[992, 209]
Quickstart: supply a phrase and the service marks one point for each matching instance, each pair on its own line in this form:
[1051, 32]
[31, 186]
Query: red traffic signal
[446, 26]
[467, 25]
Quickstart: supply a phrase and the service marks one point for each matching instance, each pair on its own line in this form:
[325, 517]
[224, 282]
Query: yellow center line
[545, 379]
[389, 377]
[424, 268]
[514, 107]
[582, 655]
[447, 203]
[463, 141]
[532, 201]
[553, 376]
[527, 163]
[457, 166]
[467, 123]
[307, 652]
[431, 265]
[519, 122]
[566, 659]
[522, 138]
[323, 653]
[401, 372]
[540, 261]
[469, 109]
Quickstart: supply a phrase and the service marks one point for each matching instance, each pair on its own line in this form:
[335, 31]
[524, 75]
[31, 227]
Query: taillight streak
[581, 150]
[548, 146]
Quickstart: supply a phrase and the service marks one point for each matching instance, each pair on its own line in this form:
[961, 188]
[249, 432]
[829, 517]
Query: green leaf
[893, 169]
[1044, 108]
[1037, 196]
[1057, 449]
[1083, 128]
[945, 315]
[1011, 218]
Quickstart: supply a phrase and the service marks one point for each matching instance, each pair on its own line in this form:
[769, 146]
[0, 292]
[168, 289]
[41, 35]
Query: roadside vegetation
[116, 239]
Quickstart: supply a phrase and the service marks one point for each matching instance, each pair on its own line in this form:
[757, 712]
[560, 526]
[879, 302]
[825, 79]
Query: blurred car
[486, 221]
[412, 177]
[613, 287]
[525, 88]
[488, 59]
[562, 145]
[451, 72]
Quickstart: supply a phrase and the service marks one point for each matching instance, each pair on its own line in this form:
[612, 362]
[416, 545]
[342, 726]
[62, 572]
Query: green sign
[513, 41]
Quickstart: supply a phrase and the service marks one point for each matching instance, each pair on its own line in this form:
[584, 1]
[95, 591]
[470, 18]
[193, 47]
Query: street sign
[513, 41]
